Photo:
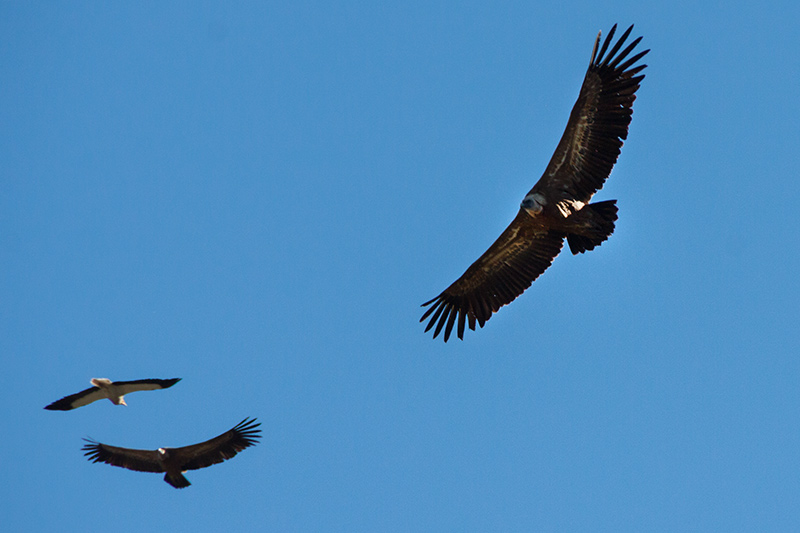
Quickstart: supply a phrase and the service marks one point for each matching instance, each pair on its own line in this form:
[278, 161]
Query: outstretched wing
[597, 124]
[126, 387]
[521, 253]
[79, 399]
[138, 460]
[221, 448]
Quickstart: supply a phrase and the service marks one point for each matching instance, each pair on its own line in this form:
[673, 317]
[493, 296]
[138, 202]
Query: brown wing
[138, 460]
[219, 448]
[597, 125]
[503, 272]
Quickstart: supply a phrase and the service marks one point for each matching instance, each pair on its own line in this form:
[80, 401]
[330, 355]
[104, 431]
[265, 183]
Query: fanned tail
[591, 226]
[178, 481]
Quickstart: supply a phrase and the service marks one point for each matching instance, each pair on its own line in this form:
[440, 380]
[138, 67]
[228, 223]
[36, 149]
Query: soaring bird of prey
[175, 461]
[113, 390]
[557, 207]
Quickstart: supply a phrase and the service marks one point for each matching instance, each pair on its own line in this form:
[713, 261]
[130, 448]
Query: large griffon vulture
[115, 391]
[175, 461]
[558, 205]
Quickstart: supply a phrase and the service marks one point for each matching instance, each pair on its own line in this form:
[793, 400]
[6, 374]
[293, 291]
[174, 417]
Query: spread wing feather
[138, 460]
[521, 253]
[220, 448]
[598, 123]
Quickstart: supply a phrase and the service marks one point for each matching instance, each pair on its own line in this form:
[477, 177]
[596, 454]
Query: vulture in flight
[175, 461]
[557, 207]
[115, 391]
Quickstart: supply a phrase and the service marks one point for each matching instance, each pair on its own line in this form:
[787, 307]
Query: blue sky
[257, 198]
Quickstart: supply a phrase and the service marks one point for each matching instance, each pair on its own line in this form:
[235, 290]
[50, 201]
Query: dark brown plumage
[175, 461]
[557, 206]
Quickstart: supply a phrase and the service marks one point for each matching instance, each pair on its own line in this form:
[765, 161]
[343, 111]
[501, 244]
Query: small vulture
[175, 461]
[558, 205]
[113, 390]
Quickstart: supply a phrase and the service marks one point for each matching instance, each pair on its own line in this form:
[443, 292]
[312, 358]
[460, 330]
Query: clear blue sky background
[258, 197]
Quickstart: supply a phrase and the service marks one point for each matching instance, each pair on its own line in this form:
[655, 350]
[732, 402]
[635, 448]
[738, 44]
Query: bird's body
[114, 391]
[174, 461]
[174, 471]
[557, 207]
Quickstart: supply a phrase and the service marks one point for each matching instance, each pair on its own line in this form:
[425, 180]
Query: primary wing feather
[220, 448]
[598, 123]
[138, 460]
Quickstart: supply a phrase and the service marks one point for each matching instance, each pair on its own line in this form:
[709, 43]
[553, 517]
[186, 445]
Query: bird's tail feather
[590, 226]
[178, 481]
